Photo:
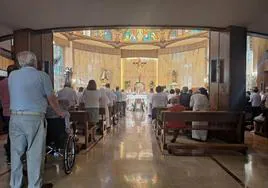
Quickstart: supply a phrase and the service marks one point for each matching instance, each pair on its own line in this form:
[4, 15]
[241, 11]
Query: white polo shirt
[255, 99]
[159, 100]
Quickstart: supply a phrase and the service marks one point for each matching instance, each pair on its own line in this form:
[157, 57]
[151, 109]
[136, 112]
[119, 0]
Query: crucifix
[140, 66]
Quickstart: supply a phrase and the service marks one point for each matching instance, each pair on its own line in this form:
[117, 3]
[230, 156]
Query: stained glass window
[58, 67]
[179, 33]
[141, 35]
[102, 34]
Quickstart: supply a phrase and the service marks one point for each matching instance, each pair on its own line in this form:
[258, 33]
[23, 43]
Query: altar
[137, 102]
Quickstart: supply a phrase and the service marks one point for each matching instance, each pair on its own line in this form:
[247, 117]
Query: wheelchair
[61, 144]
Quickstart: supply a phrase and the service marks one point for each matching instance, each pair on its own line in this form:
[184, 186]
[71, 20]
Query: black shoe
[47, 185]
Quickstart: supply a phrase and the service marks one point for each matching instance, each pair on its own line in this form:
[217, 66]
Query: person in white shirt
[112, 98]
[104, 104]
[68, 93]
[150, 95]
[91, 99]
[159, 100]
[199, 102]
[124, 102]
[171, 94]
[110, 95]
[265, 98]
[255, 100]
[79, 95]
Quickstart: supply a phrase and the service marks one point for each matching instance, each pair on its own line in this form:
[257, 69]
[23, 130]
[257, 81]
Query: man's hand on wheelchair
[61, 114]
[68, 131]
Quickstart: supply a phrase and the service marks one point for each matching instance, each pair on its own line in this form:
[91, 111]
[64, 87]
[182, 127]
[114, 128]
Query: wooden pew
[80, 118]
[225, 126]
[159, 119]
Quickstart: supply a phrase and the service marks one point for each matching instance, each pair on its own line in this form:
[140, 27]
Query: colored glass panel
[58, 68]
[141, 35]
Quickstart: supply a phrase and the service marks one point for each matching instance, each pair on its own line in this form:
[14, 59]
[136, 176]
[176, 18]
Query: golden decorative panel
[139, 70]
[5, 62]
[90, 65]
[183, 69]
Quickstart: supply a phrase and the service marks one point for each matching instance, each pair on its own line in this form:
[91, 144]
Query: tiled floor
[130, 157]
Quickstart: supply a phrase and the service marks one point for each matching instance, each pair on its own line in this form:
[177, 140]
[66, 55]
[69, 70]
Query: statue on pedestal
[105, 76]
[174, 76]
[68, 72]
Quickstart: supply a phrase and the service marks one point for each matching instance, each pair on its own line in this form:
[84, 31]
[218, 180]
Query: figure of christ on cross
[140, 66]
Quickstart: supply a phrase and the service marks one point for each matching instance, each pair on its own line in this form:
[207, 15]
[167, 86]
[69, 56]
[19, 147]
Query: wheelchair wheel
[69, 155]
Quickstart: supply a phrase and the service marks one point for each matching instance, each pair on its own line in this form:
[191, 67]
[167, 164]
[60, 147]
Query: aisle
[129, 157]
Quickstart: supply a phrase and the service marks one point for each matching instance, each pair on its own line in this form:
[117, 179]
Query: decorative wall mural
[141, 35]
[102, 34]
[177, 33]
[138, 35]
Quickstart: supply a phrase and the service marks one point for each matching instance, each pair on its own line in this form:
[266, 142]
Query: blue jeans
[27, 134]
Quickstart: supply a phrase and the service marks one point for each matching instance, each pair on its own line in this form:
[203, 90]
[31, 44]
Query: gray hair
[27, 58]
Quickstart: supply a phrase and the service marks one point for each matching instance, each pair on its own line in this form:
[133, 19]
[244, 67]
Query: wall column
[238, 58]
[228, 69]
[68, 55]
[41, 44]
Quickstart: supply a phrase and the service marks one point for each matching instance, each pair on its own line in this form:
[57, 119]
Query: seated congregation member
[150, 95]
[111, 97]
[159, 100]
[58, 127]
[91, 99]
[199, 102]
[68, 93]
[255, 100]
[124, 102]
[177, 91]
[175, 107]
[79, 94]
[259, 121]
[171, 94]
[185, 97]
[104, 102]
[264, 99]
[118, 98]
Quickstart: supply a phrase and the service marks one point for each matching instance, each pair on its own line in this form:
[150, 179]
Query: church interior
[135, 59]
[134, 94]
[132, 153]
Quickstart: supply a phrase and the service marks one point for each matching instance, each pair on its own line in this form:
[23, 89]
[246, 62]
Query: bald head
[27, 58]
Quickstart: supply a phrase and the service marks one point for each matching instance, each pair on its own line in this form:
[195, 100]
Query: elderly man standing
[29, 91]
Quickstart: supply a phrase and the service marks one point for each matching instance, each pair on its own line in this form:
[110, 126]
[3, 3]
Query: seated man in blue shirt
[29, 91]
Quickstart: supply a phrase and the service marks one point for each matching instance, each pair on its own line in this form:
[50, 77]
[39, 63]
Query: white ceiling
[43, 14]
